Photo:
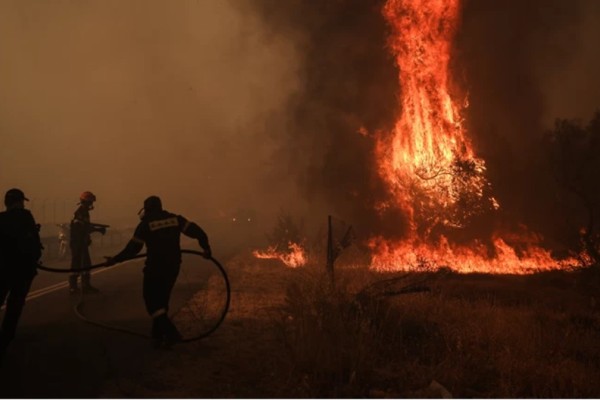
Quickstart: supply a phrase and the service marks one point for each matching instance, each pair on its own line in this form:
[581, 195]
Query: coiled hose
[81, 316]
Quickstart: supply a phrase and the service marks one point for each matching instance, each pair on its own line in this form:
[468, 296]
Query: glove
[110, 261]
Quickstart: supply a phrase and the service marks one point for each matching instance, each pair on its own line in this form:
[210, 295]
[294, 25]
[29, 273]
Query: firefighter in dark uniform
[20, 251]
[80, 240]
[160, 231]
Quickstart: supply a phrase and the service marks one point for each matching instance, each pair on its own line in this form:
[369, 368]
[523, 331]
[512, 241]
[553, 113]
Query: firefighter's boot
[86, 285]
[158, 331]
[172, 335]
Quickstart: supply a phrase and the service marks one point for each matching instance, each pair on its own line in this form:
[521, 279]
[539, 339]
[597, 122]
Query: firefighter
[20, 252]
[80, 240]
[160, 231]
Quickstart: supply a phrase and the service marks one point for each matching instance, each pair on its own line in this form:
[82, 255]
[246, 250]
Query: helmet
[151, 205]
[88, 197]
[13, 196]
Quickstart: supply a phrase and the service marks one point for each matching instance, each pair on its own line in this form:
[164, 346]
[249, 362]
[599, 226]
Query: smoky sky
[526, 63]
[133, 98]
[272, 105]
[349, 84]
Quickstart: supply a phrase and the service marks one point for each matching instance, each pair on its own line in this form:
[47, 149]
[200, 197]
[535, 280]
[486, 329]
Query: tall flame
[429, 131]
[427, 161]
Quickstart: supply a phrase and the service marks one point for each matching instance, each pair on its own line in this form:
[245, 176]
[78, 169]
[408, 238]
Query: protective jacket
[161, 232]
[80, 227]
[20, 244]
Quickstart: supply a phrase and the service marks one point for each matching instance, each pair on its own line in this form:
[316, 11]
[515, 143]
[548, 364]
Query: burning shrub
[285, 243]
[285, 231]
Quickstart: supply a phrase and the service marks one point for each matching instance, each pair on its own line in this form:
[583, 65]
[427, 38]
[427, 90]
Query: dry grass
[288, 334]
[479, 336]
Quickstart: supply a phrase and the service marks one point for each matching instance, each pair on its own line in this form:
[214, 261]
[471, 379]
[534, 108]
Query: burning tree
[394, 155]
[430, 167]
[428, 161]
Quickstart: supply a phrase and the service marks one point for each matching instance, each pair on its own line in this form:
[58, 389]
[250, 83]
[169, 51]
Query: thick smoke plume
[133, 98]
[511, 56]
[349, 91]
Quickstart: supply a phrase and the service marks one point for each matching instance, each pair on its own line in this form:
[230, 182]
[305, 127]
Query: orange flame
[418, 256]
[428, 149]
[295, 257]
[428, 162]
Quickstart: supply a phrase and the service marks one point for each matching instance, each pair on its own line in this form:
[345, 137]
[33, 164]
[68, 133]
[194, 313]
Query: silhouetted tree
[574, 151]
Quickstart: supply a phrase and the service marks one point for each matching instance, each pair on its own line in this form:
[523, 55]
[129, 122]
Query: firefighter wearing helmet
[80, 240]
[160, 231]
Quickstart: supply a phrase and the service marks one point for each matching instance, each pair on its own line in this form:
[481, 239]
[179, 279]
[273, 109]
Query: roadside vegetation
[469, 336]
[290, 334]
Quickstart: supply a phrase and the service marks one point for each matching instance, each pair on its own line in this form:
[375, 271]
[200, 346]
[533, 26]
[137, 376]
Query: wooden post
[330, 256]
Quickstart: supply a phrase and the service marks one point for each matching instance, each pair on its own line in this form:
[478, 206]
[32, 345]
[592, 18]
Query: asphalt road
[56, 354]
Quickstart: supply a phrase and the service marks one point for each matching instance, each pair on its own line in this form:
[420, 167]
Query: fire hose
[207, 332]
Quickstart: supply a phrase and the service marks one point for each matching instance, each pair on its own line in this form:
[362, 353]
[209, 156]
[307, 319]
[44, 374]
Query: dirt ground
[240, 359]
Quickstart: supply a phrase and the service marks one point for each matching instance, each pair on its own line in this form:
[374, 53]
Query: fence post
[330, 256]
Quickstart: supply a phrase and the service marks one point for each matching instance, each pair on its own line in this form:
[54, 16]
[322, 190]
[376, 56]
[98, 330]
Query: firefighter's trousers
[158, 285]
[80, 258]
[13, 290]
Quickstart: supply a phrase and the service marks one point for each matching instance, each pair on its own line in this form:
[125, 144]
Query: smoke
[142, 97]
[349, 89]
[573, 90]
[215, 105]
[523, 63]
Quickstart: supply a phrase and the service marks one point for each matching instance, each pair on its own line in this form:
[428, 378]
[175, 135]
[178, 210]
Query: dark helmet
[14, 196]
[87, 197]
[151, 205]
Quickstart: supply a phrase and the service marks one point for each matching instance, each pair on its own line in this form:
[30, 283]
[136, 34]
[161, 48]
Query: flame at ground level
[418, 256]
[293, 258]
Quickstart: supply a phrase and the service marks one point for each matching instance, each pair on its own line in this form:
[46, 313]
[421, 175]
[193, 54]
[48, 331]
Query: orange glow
[428, 163]
[419, 160]
[293, 258]
[417, 256]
